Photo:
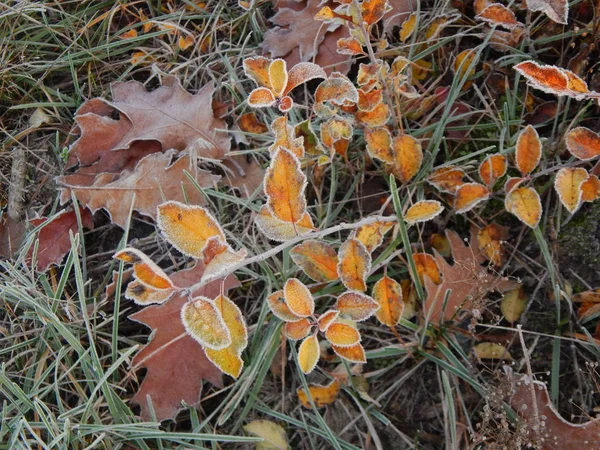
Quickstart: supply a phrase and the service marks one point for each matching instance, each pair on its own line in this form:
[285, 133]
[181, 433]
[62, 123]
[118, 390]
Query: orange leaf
[423, 211]
[356, 305]
[408, 27]
[583, 143]
[250, 124]
[426, 266]
[568, 183]
[388, 294]
[497, 14]
[379, 144]
[336, 90]
[280, 309]
[373, 11]
[297, 330]
[298, 298]
[261, 98]
[492, 168]
[408, 157]
[524, 203]
[470, 195]
[203, 321]
[553, 80]
[321, 395]
[187, 227]
[512, 183]
[371, 235]
[528, 151]
[144, 269]
[590, 189]
[349, 46]
[285, 104]
[308, 354]
[354, 353]
[285, 136]
[185, 42]
[143, 294]
[258, 70]
[369, 100]
[336, 135]
[281, 231]
[342, 334]
[354, 264]
[284, 186]
[490, 240]
[229, 360]
[377, 117]
[317, 259]
[447, 179]
[327, 318]
[219, 257]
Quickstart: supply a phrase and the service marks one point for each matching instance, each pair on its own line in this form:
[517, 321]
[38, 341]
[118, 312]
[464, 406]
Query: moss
[579, 246]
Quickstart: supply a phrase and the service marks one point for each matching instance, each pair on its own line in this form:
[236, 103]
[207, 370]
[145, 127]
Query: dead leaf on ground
[468, 280]
[172, 354]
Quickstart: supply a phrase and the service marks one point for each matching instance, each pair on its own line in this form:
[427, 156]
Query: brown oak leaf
[175, 362]
[54, 239]
[153, 181]
[467, 279]
[545, 426]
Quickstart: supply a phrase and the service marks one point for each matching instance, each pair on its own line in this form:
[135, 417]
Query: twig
[281, 247]
[17, 183]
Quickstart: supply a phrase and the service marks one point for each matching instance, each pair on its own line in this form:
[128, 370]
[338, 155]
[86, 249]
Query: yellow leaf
[274, 435]
[317, 259]
[379, 144]
[525, 204]
[528, 151]
[423, 211]
[491, 350]
[513, 304]
[188, 228]
[377, 117]
[280, 309]
[278, 76]
[354, 264]
[497, 14]
[408, 27]
[465, 62]
[490, 240]
[203, 321]
[279, 230]
[229, 360]
[408, 157]
[284, 187]
[342, 334]
[129, 34]
[356, 305]
[568, 183]
[321, 395]
[142, 294]
[373, 11]
[388, 294]
[371, 235]
[308, 354]
[298, 298]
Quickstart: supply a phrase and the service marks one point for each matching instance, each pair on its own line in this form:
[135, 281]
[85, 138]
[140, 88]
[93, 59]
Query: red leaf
[54, 238]
[175, 362]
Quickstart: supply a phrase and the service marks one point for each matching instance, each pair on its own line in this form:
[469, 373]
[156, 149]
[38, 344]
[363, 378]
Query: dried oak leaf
[467, 279]
[54, 239]
[176, 364]
[545, 426]
[153, 181]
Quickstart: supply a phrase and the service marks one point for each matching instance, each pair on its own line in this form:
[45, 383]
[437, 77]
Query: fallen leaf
[557, 10]
[567, 184]
[528, 151]
[583, 143]
[513, 304]
[153, 180]
[274, 435]
[468, 281]
[524, 203]
[491, 350]
[171, 351]
[423, 211]
[354, 264]
[553, 80]
[490, 239]
[321, 395]
[545, 427]
[54, 239]
[317, 259]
